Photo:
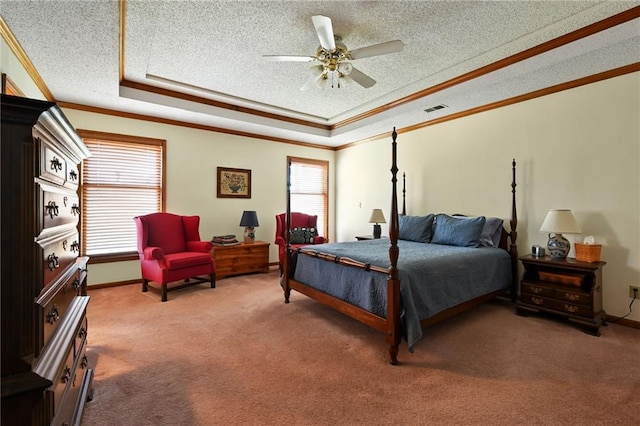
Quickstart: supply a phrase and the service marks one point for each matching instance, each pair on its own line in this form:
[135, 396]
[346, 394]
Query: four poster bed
[431, 268]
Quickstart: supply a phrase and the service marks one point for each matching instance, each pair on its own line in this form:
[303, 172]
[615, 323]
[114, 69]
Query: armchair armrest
[153, 253]
[280, 241]
[200, 246]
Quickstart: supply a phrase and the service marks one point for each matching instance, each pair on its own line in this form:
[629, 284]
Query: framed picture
[234, 183]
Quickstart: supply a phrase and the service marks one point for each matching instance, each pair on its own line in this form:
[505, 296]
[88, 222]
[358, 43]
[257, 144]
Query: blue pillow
[457, 231]
[491, 232]
[415, 228]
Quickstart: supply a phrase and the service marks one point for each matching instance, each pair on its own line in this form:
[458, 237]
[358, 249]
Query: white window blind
[309, 189]
[122, 179]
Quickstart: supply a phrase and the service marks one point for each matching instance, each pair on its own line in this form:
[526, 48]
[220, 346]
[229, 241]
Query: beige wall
[192, 158]
[577, 149]
[11, 66]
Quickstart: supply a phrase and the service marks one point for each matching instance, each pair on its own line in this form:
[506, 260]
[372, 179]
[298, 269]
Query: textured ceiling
[213, 50]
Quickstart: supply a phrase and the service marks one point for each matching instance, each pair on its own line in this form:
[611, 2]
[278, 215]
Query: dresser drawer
[68, 410]
[59, 206]
[81, 340]
[62, 381]
[58, 253]
[52, 304]
[53, 165]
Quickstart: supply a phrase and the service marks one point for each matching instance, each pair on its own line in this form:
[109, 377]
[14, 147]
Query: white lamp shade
[377, 216]
[560, 221]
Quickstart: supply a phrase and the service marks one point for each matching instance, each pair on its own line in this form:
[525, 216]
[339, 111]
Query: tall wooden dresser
[46, 378]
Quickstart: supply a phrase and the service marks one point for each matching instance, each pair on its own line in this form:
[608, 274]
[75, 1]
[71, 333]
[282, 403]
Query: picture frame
[234, 183]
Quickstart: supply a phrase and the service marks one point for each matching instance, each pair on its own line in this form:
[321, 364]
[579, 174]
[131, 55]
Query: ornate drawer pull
[66, 375]
[56, 164]
[65, 200]
[75, 210]
[65, 243]
[571, 296]
[73, 175]
[51, 209]
[537, 300]
[76, 284]
[53, 261]
[536, 290]
[571, 308]
[85, 362]
[75, 246]
[82, 333]
[53, 315]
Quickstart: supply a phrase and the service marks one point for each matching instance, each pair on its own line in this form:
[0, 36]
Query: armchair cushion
[186, 259]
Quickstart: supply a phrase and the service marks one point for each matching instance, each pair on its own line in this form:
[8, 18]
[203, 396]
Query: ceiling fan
[332, 62]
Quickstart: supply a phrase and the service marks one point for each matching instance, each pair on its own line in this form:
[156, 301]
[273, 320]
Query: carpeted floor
[237, 354]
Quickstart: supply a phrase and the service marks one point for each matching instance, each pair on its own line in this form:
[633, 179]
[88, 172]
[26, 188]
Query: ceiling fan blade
[324, 28]
[286, 58]
[377, 49]
[361, 78]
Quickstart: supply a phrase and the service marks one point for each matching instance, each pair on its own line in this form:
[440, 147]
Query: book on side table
[225, 240]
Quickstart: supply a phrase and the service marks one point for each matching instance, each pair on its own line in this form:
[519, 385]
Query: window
[123, 178]
[309, 180]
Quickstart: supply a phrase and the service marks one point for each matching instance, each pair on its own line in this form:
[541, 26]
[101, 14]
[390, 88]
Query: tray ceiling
[201, 61]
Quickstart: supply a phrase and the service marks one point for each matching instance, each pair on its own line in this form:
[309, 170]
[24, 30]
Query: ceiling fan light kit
[332, 63]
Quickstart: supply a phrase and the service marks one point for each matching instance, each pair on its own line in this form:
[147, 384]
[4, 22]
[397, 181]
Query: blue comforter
[433, 277]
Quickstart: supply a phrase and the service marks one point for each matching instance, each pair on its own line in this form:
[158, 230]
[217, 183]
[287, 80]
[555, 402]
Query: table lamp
[377, 217]
[556, 223]
[249, 220]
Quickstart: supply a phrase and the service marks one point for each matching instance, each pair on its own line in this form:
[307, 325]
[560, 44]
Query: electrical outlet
[633, 288]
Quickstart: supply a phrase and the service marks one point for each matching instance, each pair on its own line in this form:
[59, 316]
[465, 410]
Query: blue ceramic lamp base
[558, 246]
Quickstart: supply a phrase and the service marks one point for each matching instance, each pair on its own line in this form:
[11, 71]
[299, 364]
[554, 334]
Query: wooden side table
[564, 287]
[241, 258]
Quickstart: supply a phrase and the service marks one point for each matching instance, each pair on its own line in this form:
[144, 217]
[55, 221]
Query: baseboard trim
[113, 284]
[625, 322]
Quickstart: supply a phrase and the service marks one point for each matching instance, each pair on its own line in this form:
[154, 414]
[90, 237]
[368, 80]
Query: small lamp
[558, 222]
[249, 221]
[376, 218]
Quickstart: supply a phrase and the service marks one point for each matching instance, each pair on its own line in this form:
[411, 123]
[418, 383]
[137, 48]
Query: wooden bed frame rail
[390, 326]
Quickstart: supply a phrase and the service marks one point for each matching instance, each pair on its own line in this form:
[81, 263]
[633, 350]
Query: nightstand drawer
[536, 290]
[572, 308]
[557, 305]
[573, 296]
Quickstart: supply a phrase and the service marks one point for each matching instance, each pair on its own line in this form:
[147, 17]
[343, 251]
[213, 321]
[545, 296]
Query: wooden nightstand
[565, 287]
[241, 259]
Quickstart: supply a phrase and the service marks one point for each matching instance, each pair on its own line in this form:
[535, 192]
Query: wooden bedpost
[513, 235]
[393, 287]
[286, 262]
[404, 193]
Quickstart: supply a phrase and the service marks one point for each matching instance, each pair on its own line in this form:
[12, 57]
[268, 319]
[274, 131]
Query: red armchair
[170, 250]
[298, 220]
